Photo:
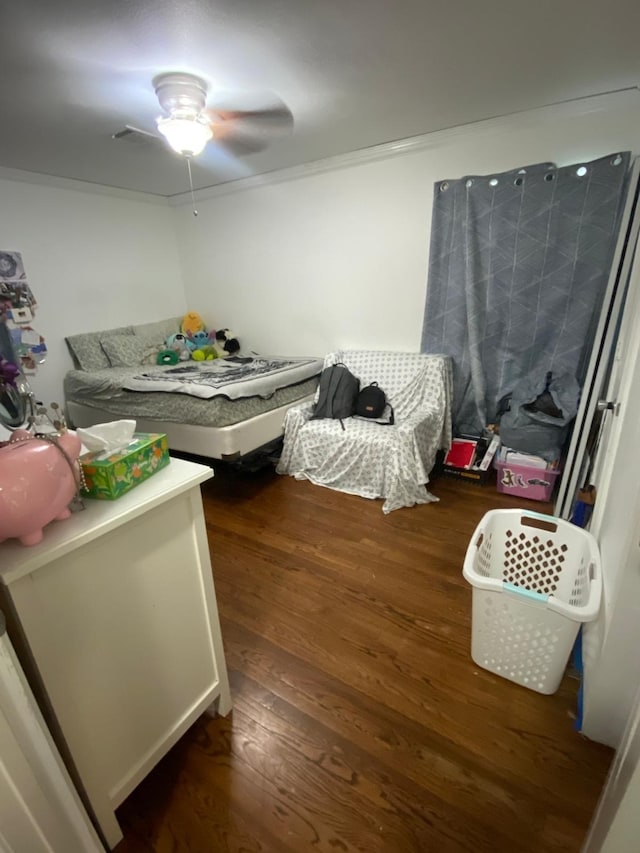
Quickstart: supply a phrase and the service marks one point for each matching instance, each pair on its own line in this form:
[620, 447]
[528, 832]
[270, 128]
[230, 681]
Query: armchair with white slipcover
[367, 458]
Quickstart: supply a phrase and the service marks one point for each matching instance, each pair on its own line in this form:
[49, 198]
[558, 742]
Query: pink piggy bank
[36, 484]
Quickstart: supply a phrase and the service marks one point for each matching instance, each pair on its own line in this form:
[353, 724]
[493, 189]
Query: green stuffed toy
[205, 353]
[167, 356]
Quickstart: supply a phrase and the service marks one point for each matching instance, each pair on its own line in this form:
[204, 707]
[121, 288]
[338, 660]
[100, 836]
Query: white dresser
[115, 617]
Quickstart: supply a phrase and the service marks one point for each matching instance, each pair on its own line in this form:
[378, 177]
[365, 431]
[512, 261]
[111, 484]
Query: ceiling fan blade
[245, 123]
[133, 129]
[136, 135]
[275, 113]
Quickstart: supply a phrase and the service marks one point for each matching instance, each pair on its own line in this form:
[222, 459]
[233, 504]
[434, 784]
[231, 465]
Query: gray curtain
[518, 267]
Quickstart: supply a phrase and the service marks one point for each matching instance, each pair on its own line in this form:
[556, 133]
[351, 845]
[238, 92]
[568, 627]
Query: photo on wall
[11, 267]
[17, 310]
[15, 293]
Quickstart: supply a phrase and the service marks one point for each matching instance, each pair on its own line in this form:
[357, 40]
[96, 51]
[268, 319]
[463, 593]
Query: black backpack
[337, 393]
[371, 403]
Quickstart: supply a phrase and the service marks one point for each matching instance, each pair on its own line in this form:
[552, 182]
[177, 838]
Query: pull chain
[193, 201]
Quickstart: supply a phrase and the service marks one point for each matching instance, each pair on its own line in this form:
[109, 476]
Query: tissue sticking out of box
[109, 438]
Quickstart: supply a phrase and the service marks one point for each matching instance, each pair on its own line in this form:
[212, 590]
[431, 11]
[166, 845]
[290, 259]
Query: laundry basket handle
[539, 521]
[469, 569]
[591, 610]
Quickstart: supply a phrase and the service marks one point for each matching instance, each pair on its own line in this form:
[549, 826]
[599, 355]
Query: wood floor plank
[413, 748]
[488, 759]
[416, 682]
[360, 721]
[353, 785]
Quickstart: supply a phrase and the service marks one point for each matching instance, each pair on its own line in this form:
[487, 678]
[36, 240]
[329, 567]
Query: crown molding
[627, 97]
[41, 179]
[437, 139]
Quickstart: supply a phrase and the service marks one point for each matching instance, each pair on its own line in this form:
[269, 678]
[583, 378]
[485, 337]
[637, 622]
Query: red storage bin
[525, 481]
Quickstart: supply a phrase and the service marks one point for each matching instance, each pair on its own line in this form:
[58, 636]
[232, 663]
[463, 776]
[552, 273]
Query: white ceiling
[355, 73]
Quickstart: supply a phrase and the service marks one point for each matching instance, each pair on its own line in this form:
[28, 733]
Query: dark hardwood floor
[360, 721]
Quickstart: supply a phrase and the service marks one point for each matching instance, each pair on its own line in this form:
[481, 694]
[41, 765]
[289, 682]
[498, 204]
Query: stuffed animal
[191, 323]
[179, 344]
[167, 356]
[226, 343]
[202, 339]
[206, 353]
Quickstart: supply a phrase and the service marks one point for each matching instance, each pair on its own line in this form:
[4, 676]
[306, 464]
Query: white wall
[339, 257]
[94, 260]
[615, 827]
[610, 645]
[625, 827]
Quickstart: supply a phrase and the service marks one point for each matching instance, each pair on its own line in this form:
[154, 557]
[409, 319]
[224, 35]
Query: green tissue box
[114, 476]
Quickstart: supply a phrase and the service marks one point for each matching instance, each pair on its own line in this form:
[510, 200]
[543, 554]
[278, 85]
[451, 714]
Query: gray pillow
[125, 350]
[158, 332]
[86, 349]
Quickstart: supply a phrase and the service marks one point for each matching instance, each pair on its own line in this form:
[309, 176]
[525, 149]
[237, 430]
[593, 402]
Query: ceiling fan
[241, 124]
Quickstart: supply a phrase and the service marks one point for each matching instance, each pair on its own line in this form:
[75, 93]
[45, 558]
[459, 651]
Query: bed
[225, 409]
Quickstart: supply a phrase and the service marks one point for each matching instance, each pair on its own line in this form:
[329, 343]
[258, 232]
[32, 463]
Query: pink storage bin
[536, 484]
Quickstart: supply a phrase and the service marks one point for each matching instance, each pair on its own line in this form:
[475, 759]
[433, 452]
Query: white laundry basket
[535, 579]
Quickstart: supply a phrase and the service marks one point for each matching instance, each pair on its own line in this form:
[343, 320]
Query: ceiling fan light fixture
[187, 135]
